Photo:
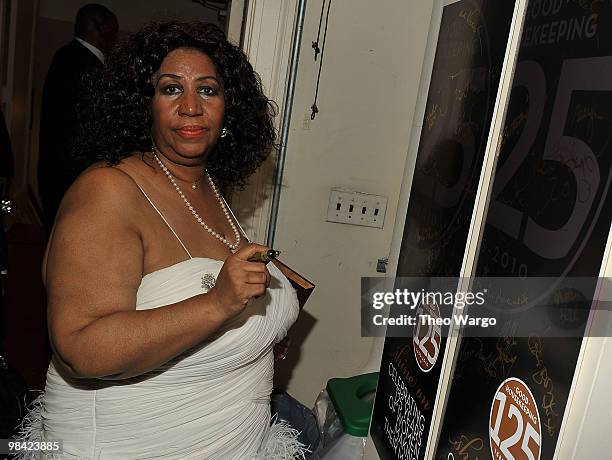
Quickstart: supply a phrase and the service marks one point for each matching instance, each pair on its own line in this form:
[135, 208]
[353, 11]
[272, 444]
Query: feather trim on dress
[282, 443]
[31, 429]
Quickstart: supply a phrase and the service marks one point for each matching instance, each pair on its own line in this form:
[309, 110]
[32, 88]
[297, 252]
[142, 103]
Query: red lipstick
[191, 131]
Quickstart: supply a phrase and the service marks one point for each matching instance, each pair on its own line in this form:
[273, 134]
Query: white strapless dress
[211, 402]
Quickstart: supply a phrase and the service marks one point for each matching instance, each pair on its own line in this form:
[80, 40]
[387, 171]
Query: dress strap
[235, 220]
[164, 219]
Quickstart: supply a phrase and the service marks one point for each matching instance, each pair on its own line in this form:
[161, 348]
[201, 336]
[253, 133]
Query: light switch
[356, 208]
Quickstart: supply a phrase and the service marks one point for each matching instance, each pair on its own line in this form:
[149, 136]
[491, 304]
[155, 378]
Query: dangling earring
[224, 132]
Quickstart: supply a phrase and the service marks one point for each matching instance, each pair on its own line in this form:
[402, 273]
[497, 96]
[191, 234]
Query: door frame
[266, 38]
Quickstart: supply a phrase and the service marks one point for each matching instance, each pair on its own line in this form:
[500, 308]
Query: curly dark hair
[116, 121]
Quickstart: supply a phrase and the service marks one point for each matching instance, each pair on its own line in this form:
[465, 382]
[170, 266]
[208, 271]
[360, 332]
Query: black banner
[463, 88]
[549, 215]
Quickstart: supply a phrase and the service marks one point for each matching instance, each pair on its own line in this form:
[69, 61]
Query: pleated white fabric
[211, 402]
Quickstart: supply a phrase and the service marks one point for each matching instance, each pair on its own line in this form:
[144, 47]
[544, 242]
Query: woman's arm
[93, 269]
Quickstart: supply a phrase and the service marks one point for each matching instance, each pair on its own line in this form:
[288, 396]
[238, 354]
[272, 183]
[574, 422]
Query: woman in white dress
[162, 331]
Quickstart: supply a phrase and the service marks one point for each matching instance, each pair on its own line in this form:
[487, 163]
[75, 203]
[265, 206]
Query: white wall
[359, 139]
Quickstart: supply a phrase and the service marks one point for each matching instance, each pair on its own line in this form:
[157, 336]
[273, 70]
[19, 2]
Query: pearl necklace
[197, 217]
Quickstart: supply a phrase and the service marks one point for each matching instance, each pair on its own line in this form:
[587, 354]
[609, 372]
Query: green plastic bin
[352, 405]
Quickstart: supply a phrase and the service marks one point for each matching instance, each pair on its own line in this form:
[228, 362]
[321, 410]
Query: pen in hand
[264, 256]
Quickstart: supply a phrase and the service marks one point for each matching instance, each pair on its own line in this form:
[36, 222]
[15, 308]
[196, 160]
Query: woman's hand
[239, 281]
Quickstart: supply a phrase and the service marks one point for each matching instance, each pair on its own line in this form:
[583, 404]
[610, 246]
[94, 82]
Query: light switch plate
[356, 208]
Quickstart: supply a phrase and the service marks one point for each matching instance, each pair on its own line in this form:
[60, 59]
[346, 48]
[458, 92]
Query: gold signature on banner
[515, 125]
[432, 116]
[464, 446]
[471, 18]
[542, 378]
[588, 113]
[495, 364]
[589, 5]
[499, 364]
[596, 121]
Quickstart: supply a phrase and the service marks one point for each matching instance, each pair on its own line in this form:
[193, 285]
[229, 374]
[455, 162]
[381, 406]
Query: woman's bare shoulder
[102, 185]
[99, 211]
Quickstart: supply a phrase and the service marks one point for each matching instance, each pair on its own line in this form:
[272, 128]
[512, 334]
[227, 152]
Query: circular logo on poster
[427, 336]
[515, 432]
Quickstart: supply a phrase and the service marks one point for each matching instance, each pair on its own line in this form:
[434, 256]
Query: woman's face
[188, 106]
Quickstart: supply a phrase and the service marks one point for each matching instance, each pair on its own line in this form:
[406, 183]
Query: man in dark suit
[95, 31]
